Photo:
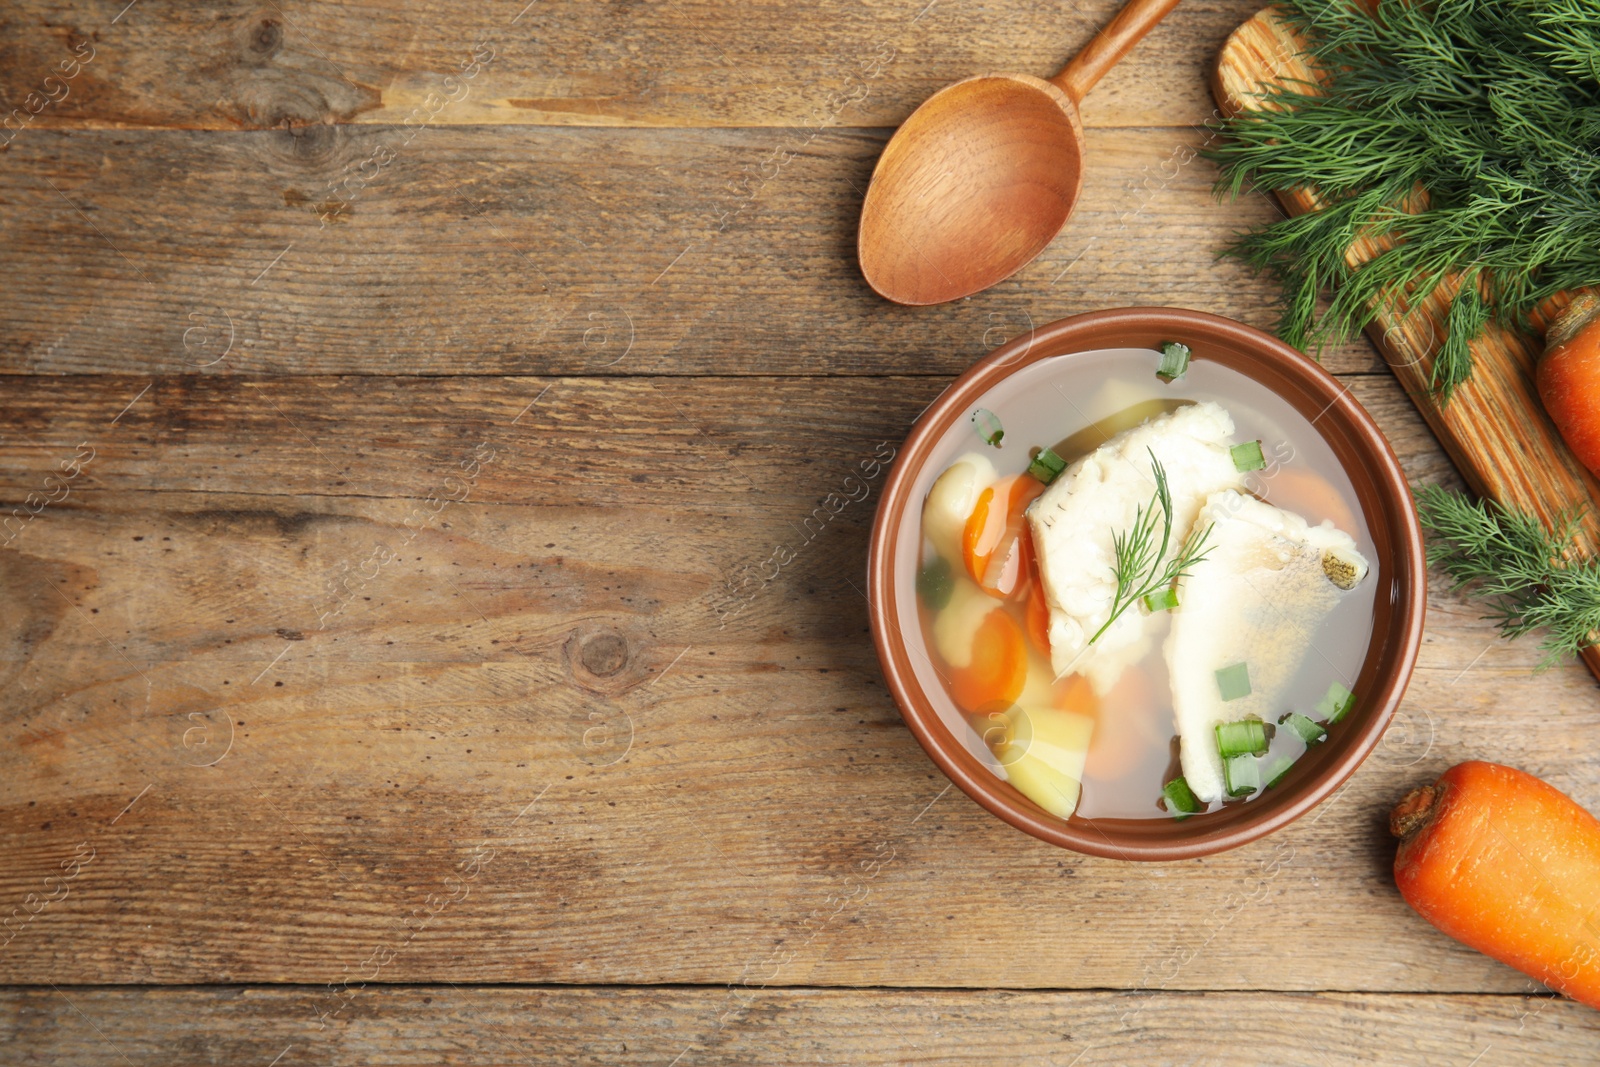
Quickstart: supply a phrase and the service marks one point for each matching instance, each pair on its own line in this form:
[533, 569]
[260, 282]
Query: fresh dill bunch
[1491, 108]
[1137, 567]
[1527, 571]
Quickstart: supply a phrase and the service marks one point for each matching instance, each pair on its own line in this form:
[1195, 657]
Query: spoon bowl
[984, 174]
[974, 185]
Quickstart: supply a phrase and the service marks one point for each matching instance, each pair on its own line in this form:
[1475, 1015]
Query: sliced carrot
[999, 666]
[1310, 495]
[1074, 693]
[991, 543]
[1037, 616]
[1127, 728]
[976, 541]
[1036, 612]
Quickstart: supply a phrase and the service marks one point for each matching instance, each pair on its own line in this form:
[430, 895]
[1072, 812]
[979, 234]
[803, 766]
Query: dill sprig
[1138, 568]
[1530, 573]
[1491, 108]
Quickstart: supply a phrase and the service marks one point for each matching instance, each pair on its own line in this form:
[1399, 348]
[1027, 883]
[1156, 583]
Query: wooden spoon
[983, 175]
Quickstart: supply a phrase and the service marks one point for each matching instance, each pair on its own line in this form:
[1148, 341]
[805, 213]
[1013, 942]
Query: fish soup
[1138, 597]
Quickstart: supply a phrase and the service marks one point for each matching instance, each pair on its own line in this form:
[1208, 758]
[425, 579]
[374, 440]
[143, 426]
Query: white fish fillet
[1096, 497]
[1266, 584]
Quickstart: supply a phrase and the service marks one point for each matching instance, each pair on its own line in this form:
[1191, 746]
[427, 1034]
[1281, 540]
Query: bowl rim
[1380, 468]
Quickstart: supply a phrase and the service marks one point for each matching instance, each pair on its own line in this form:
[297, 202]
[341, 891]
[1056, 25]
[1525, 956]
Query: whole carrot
[1504, 863]
[1568, 377]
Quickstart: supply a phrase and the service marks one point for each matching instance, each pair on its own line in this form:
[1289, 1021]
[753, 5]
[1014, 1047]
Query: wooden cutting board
[1494, 427]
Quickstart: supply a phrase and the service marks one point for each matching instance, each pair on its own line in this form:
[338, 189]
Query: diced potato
[956, 625]
[950, 503]
[1044, 756]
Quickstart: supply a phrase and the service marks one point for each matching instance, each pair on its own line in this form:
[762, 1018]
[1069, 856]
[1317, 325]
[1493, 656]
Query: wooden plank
[720, 445]
[436, 1024]
[1494, 427]
[690, 63]
[566, 731]
[522, 250]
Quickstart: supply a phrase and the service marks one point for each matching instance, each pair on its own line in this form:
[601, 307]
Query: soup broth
[994, 684]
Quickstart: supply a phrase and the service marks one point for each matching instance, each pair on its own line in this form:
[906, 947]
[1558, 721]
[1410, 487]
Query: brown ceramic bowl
[1398, 569]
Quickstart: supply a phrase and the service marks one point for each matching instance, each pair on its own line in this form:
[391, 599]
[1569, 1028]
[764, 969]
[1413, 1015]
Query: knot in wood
[269, 82]
[268, 39]
[601, 659]
[603, 654]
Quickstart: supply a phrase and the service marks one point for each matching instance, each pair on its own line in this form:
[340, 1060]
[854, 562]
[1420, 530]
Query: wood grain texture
[678, 770]
[408, 616]
[439, 1024]
[232, 64]
[1494, 427]
[521, 250]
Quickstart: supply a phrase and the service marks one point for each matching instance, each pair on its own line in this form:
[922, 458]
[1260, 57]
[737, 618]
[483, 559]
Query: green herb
[935, 584]
[1174, 361]
[1307, 730]
[1491, 109]
[1247, 737]
[1234, 682]
[1337, 704]
[987, 423]
[1047, 465]
[1138, 569]
[1161, 600]
[1181, 800]
[1247, 457]
[1242, 775]
[1277, 770]
[1523, 568]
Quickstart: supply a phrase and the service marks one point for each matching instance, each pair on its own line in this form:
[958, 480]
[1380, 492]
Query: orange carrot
[1508, 865]
[991, 542]
[1133, 719]
[1568, 376]
[1307, 493]
[976, 543]
[1036, 611]
[999, 667]
[1074, 693]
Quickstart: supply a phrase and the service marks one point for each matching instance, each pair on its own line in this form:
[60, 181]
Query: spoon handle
[1135, 20]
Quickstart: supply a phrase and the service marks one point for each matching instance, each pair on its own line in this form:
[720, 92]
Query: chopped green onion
[1181, 800]
[1234, 681]
[1308, 730]
[1337, 704]
[1277, 770]
[1248, 457]
[1243, 775]
[987, 423]
[1046, 465]
[1174, 361]
[1162, 600]
[1247, 737]
[935, 584]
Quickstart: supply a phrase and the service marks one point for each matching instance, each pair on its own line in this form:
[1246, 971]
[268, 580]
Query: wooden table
[404, 402]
